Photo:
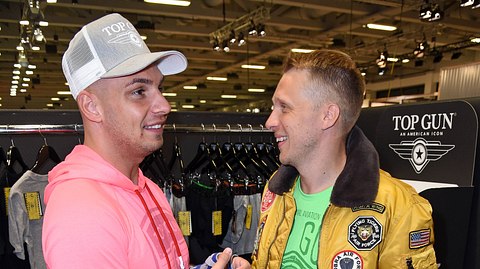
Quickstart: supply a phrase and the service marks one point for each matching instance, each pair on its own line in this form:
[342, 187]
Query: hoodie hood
[85, 164]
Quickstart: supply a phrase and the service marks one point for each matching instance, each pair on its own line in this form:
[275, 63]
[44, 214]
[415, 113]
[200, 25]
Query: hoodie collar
[358, 182]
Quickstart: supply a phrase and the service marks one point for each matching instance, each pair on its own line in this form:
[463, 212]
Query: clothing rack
[18, 129]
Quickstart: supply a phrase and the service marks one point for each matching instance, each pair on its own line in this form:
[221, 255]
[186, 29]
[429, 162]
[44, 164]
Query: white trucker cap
[111, 47]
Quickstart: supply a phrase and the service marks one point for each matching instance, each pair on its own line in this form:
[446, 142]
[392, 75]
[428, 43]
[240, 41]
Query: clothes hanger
[45, 154]
[14, 157]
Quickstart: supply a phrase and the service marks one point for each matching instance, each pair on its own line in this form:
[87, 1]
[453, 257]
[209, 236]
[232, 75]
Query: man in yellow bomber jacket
[329, 205]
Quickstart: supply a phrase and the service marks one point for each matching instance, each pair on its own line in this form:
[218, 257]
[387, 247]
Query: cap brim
[169, 63]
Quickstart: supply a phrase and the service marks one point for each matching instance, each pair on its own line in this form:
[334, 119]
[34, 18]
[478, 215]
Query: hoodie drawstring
[170, 230]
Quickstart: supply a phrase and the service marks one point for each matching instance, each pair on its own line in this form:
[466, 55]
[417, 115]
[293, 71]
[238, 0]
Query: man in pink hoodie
[101, 211]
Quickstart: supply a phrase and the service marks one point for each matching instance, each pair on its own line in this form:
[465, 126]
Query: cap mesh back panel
[80, 56]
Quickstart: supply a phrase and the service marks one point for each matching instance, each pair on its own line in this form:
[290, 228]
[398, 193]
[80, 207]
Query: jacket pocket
[423, 260]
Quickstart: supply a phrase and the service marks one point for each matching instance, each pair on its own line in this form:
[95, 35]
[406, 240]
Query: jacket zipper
[321, 231]
[276, 232]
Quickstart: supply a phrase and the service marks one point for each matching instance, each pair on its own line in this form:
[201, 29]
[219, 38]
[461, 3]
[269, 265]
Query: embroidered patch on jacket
[419, 238]
[373, 206]
[267, 200]
[347, 259]
[365, 233]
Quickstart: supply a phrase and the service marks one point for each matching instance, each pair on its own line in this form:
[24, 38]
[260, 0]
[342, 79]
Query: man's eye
[138, 92]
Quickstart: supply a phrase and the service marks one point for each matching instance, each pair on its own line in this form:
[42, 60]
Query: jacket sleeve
[409, 239]
[80, 229]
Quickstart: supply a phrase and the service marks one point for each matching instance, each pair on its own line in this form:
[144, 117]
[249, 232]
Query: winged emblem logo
[127, 37]
[420, 152]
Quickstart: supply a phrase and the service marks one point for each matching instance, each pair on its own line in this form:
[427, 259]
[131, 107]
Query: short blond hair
[334, 77]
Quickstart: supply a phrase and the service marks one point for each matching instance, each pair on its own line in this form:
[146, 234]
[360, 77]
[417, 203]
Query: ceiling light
[217, 78]
[466, 3]
[256, 90]
[64, 93]
[392, 59]
[226, 48]
[26, 79]
[23, 90]
[17, 65]
[32, 66]
[43, 23]
[261, 30]
[49, 105]
[216, 46]
[143, 37]
[419, 51]
[381, 27]
[55, 99]
[302, 50]
[29, 72]
[232, 37]
[188, 106]
[382, 59]
[241, 39]
[252, 66]
[51, 1]
[169, 2]
[24, 22]
[15, 82]
[24, 84]
[252, 30]
[475, 40]
[20, 47]
[16, 72]
[169, 94]
[14, 87]
[190, 87]
[16, 77]
[405, 60]
[228, 96]
[203, 101]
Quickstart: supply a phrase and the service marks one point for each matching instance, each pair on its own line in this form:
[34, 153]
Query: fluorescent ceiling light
[256, 90]
[217, 78]
[188, 106]
[55, 99]
[50, 105]
[190, 87]
[301, 50]
[43, 23]
[252, 66]
[228, 96]
[23, 90]
[29, 72]
[203, 101]
[64, 93]
[381, 27]
[475, 40]
[405, 61]
[391, 59]
[51, 1]
[143, 37]
[169, 2]
[170, 94]
[24, 22]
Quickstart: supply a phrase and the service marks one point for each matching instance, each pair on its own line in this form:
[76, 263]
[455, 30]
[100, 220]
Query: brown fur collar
[356, 185]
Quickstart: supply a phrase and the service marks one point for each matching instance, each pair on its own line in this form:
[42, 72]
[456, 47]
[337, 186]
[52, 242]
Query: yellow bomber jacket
[373, 220]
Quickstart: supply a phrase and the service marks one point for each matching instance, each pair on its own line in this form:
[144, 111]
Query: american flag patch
[420, 238]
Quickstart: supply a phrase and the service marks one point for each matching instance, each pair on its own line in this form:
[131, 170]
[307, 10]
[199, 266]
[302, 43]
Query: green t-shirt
[302, 245]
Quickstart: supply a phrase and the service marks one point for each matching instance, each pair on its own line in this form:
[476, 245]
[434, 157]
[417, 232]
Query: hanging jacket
[373, 220]
[97, 218]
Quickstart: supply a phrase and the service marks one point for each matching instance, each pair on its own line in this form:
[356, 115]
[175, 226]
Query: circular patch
[267, 200]
[347, 259]
[365, 233]
[419, 152]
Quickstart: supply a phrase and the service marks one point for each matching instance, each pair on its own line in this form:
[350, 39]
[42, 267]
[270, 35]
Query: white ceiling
[291, 24]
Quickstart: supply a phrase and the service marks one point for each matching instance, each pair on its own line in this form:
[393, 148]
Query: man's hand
[225, 259]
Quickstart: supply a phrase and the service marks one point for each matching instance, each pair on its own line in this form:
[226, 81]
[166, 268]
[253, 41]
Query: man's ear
[89, 106]
[330, 116]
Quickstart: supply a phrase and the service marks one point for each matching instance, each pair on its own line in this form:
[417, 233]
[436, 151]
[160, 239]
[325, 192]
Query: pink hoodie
[96, 218]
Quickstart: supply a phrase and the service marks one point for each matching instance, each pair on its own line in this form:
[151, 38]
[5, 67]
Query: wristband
[231, 260]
